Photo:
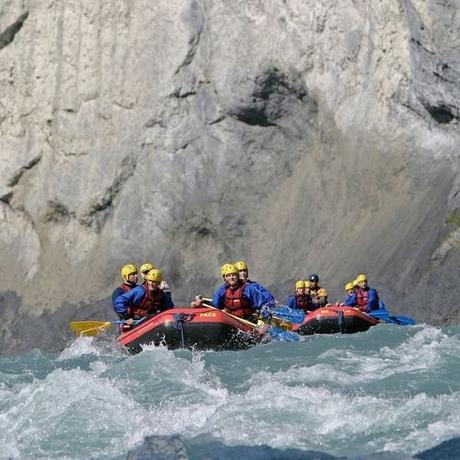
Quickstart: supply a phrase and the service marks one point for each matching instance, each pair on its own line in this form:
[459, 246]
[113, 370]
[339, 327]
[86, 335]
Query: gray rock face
[302, 136]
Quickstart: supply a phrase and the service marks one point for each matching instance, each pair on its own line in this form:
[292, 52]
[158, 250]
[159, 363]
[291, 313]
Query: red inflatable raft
[197, 328]
[334, 319]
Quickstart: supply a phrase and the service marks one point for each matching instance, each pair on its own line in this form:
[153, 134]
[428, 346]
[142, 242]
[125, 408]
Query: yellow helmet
[355, 283]
[361, 278]
[241, 265]
[154, 275]
[145, 268]
[128, 269]
[349, 287]
[228, 269]
[299, 284]
[307, 284]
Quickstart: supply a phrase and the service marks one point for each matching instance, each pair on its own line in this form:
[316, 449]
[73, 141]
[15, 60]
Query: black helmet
[314, 277]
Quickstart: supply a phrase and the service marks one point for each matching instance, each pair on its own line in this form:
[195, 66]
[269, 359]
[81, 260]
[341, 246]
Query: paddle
[245, 321]
[280, 322]
[93, 328]
[384, 315]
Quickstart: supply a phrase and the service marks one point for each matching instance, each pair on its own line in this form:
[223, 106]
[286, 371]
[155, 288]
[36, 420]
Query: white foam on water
[319, 418]
[326, 406]
[423, 350]
[80, 346]
[326, 402]
[426, 421]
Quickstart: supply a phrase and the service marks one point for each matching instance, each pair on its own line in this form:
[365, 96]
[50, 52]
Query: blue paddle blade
[290, 314]
[404, 320]
[281, 335]
[380, 314]
[384, 315]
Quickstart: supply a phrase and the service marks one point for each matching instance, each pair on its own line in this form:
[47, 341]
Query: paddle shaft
[78, 326]
[249, 323]
[279, 322]
[87, 327]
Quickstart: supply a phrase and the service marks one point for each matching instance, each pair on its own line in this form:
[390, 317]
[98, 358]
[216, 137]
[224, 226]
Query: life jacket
[316, 295]
[150, 304]
[236, 304]
[303, 302]
[362, 299]
[127, 286]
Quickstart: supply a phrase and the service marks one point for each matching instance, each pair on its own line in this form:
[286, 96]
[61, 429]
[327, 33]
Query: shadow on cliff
[47, 332]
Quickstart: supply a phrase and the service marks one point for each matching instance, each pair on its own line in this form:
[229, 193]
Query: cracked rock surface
[302, 136]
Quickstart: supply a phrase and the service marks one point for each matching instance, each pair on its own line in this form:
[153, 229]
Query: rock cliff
[302, 136]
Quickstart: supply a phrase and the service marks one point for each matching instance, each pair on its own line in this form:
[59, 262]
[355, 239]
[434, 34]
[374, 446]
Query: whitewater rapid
[390, 389]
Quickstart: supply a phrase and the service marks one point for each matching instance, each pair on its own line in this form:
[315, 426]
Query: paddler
[145, 268]
[130, 278]
[364, 297]
[243, 273]
[349, 291]
[318, 294]
[144, 300]
[237, 297]
[300, 299]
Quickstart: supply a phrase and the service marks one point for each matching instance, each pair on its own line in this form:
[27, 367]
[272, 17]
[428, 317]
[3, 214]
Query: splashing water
[388, 389]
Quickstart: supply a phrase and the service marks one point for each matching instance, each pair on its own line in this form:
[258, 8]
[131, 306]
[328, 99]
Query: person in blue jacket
[243, 273]
[364, 298]
[237, 297]
[144, 300]
[349, 291]
[130, 278]
[300, 299]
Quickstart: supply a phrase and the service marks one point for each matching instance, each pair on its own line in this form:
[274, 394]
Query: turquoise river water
[390, 392]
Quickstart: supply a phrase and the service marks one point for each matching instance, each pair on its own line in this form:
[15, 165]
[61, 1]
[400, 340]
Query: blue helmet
[314, 277]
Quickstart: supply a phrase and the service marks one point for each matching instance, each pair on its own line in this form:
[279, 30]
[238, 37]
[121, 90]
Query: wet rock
[159, 448]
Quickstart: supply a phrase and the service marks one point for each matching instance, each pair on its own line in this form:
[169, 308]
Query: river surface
[391, 390]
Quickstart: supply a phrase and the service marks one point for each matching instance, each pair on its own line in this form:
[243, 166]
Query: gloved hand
[164, 286]
[198, 302]
[265, 312]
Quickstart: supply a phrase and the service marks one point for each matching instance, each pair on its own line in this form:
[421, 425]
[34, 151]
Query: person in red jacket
[300, 299]
[144, 300]
[237, 297]
[364, 297]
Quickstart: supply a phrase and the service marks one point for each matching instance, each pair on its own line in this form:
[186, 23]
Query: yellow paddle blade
[90, 332]
[282, 323]
[89, 328]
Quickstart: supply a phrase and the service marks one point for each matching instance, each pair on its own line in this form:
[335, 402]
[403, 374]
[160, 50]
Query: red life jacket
[127, 286]
[236, 304]
[150, 304]
[303, 301]
[362, 299]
